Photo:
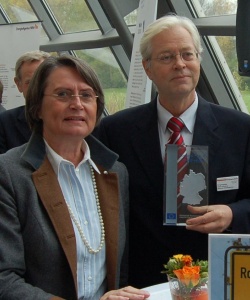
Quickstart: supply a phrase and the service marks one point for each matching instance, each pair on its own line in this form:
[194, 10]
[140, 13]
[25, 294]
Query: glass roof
[215, 8]
[72, 15]
[102, 32]
[18, 11]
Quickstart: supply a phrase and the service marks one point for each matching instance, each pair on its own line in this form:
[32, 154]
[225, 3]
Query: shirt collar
[55, 159]
[188, 116]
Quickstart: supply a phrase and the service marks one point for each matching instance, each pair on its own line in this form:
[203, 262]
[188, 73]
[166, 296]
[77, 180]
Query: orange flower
[188, 275]
[187, 259]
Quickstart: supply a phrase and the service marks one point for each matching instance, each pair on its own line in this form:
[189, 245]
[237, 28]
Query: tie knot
[175, 124]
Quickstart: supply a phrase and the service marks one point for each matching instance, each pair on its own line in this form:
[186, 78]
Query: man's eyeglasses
[168, 58]
[86, 97]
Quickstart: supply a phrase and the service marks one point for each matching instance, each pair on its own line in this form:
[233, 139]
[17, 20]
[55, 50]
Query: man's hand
[213, 219]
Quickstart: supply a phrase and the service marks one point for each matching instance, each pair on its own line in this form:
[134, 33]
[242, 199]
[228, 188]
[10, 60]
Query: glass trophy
[189, 189]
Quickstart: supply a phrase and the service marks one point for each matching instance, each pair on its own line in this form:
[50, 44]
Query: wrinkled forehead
[66, 77]
[176, 39]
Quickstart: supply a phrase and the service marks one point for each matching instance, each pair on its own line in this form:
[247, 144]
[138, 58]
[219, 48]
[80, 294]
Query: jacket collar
[34, 152]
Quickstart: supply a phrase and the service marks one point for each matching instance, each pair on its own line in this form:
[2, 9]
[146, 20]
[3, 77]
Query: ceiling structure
[104, 30]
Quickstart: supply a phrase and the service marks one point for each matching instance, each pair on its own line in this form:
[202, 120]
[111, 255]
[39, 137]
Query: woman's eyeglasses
[86, 97]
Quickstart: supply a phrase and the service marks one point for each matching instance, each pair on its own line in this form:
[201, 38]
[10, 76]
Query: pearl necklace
[78, 226]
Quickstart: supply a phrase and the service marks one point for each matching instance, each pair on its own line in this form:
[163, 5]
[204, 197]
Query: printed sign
[18, 38]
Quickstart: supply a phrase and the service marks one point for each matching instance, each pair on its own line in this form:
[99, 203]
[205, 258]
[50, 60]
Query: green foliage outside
[109, 76]
[246, 97]
[73, 16]
[8, 6]
[112, 81]
[228, 43]
[115, 99]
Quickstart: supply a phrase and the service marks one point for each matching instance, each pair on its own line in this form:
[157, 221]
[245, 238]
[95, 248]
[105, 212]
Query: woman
[63, 195]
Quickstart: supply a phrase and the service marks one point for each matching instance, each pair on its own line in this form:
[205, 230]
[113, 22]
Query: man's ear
[146, 66]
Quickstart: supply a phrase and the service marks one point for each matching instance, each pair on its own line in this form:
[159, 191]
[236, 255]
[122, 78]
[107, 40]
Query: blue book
[229, 266]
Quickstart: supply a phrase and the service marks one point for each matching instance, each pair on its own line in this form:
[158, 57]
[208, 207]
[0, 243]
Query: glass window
[72, 15]
[18, 11]
[210, 8]
[228, 47]
[227, 44]
[131, 18]
[111, 77]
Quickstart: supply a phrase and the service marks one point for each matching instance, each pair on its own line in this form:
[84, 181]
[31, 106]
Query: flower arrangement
[192, 276]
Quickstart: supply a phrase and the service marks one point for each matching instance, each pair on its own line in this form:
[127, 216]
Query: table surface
[159, 292]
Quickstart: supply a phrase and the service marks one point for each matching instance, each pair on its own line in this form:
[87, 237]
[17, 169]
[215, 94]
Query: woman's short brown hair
[34, 97]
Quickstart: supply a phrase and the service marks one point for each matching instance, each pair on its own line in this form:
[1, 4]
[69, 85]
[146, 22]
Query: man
[1, 94]
[171, 50]
[14, 130]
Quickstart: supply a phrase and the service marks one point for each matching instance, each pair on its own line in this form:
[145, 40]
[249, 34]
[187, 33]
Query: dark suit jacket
[133, 134]
[2, 108]
[38, 257]
[14, 129]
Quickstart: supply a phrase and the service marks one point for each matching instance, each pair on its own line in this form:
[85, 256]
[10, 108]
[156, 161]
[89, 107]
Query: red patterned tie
[175, 126]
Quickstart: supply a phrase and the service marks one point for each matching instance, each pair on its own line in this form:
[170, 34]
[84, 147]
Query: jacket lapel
[48, 188]
[107, 184]
[205, 128]
[146, 145]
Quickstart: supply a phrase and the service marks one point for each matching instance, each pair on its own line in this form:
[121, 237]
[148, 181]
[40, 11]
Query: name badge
[227, 183]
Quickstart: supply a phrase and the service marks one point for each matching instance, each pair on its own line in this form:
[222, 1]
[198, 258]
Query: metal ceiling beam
[117, 21]
[4, 19]
[217, 26]
[125, 7]
[44, 14]
[83, 40]
[120, 44]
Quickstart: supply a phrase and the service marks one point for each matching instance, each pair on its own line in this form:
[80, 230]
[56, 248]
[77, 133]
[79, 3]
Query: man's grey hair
[164, 23]
[30, 56]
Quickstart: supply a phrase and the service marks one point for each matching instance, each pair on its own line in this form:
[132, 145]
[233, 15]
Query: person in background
[14, 130]
[171, 54]
[63, 195]
[1, 95]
